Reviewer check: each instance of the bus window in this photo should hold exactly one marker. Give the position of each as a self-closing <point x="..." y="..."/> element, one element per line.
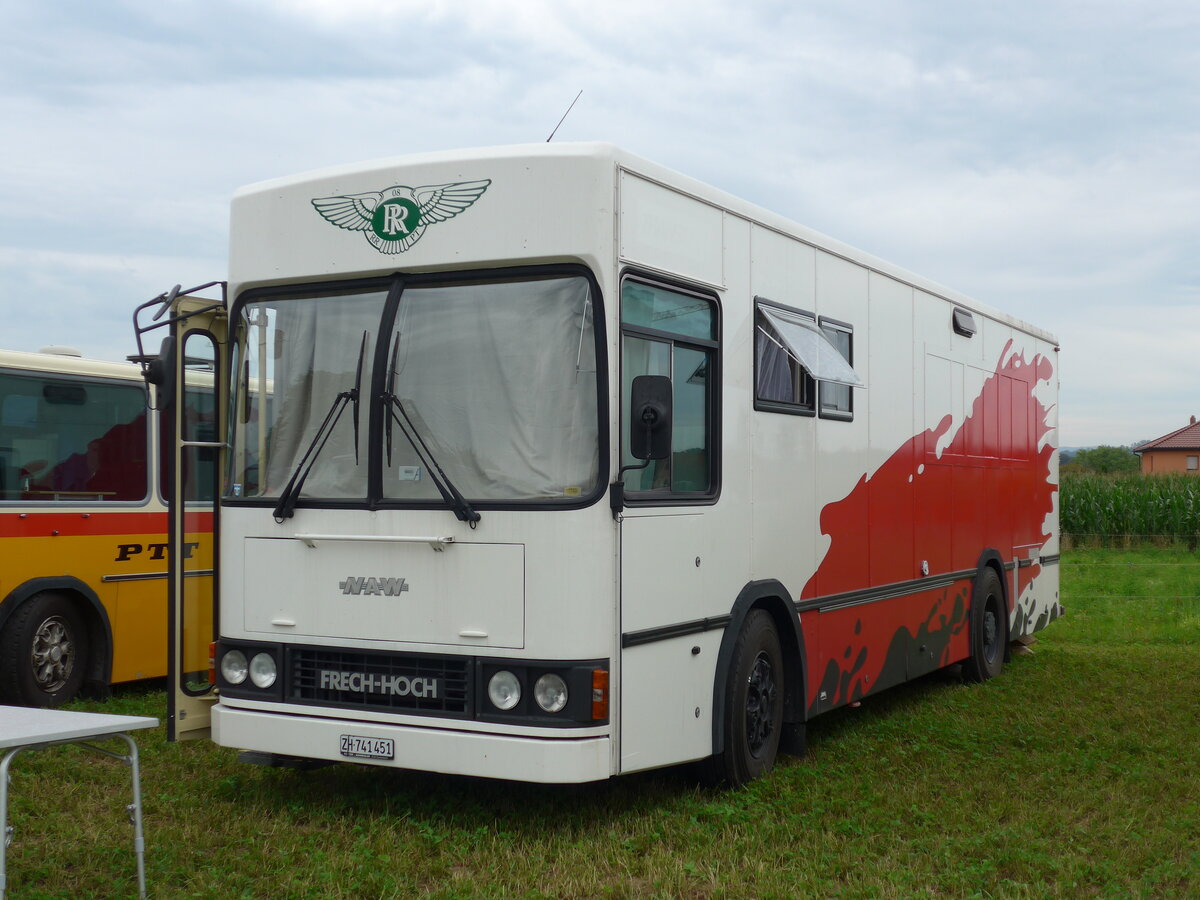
<point x="673" y="333"/>
<point x="199" y="422"/>
<point x="62" y="439"/>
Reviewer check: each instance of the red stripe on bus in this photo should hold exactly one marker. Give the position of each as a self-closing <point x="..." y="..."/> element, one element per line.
<point x="36" y="524"/>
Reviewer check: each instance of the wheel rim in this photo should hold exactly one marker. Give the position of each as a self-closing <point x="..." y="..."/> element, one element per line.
<point x="991" y="630"/>
<point x="760" y="704"/>
<point x="52" y="654"/>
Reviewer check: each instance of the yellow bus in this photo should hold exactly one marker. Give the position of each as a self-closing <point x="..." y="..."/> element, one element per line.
<point x="83" y="528"/>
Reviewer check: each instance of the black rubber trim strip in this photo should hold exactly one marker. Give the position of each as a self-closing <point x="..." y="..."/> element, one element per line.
<point x="883" y="592"/>
<point x="679" y="629"/>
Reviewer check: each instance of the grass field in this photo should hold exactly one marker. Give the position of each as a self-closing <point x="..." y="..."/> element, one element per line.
<point x="1072" y="775"/>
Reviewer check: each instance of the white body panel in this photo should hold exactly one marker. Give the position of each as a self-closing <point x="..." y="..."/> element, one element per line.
<point x="445" y="597"/>
<point x="471" y="593"/>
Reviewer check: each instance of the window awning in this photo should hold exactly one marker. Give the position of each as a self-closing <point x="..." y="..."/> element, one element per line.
<point x="806" y="344"/>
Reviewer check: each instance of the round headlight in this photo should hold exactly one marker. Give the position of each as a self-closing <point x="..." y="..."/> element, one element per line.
<point x="262" y="670"/>
<point x="504" y="690"/>
<point x="234" y="667"/>
<point x="550" y="692"/>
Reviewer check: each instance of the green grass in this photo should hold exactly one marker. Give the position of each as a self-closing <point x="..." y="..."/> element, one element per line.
<point x="1071" y="775"/>
<point x="1142" y="596"/>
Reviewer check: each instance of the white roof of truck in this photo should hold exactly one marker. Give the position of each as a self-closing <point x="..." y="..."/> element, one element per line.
<point x="608" y="155"/>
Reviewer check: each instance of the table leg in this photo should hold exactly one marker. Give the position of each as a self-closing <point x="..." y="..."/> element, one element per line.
<point x="6" y="831"/>
<point x="135" y="814"/>
<point x="134" y="809"/>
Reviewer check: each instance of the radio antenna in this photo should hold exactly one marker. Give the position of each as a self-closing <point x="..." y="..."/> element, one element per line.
<point x="564" y="115"/>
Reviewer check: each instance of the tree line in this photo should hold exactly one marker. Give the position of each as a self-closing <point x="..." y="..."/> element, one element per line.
<point x="1103" y="460"/>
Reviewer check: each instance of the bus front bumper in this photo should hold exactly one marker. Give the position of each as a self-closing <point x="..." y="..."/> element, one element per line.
<point x="545" y="760"/>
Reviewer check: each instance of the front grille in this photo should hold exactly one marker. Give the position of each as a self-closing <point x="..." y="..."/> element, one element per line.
<point x="394" y="682"/>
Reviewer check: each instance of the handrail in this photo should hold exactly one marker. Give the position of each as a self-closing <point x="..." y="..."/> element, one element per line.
<point x="437" y="543"/>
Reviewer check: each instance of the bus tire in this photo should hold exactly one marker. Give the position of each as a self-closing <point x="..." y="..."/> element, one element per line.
<point x="753" y="705"/>
<point x="989" y="627"/>
<point x="43" y="652"/>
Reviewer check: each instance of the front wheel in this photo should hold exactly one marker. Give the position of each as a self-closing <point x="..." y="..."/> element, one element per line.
<point x="989" y="627"/>
<point x="43" y="651"/>
<point x="753" y="705"/>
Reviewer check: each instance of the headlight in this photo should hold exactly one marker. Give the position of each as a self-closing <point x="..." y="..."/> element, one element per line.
<point x="504" y="690"/>
<point x="550" y="692"/>
<point x="233" y="666"/>
<point x="262" y="670"/>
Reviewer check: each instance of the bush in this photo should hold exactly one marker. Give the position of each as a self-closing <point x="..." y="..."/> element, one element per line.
<point x="1105" y="460"/>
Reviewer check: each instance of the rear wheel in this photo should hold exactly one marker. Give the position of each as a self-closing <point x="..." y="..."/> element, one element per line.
<point x="43" y="652"/>
<point x="989" y="627"/>
<point x="753" y="705"/>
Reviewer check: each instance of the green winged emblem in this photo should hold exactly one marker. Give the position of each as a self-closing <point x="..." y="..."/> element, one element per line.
<point x="394" y="219"/>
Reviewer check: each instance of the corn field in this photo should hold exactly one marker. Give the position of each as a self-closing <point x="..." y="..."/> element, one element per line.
<point x="1111" y="510"/>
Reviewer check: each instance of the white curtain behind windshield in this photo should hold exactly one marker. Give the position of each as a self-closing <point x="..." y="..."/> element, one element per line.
<point x="300" y="354"/>
<point x="500" y="380"/>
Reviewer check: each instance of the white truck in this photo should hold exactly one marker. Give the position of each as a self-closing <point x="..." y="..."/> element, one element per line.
<point x="548" y="463"/>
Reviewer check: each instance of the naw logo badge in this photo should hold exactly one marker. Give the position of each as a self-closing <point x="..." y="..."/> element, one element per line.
<point x="377" y="587"/>
<point x="394" y="219"/>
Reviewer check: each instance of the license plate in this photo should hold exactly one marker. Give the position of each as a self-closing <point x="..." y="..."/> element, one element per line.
<point x="357" y="747"/>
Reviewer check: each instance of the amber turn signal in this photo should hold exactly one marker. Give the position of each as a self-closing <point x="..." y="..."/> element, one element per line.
<point x="599" y="694"/>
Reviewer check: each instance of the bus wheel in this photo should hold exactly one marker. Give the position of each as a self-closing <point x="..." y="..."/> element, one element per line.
<point x="989" y="627"/>
<point x="753" y="704"/>
<point x="42" y="652"/>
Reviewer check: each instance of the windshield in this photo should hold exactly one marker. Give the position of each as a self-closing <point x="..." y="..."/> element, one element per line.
<point x="497" y="379"/>
<point x="292" y="358"/>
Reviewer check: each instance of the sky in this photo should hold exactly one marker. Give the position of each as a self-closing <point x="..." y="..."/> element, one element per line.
<point x="1041" y="156"/>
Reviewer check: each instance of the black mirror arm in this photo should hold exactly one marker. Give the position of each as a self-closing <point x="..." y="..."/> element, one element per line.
<point x="630" y="468"/>
<point x="616" y="490"/>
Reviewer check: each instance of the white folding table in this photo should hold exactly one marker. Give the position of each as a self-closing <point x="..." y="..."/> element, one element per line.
<point x="24" y="729"/>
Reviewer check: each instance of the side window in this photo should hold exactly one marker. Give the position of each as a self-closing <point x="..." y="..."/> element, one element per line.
<point x="837" y="400"/>
<point x="801" y="366"/>
<point x="64" y="439"/>
<point x="199" y="422"/>
<point x="672" y="332"/>
<point x="781" y="381"/>
<point x="199" y="417"/>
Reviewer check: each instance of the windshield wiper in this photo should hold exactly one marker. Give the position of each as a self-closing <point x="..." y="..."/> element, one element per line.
<point x="390" y="391"/>
<point x="463" y="510"/>
<point x="286" y="506"/>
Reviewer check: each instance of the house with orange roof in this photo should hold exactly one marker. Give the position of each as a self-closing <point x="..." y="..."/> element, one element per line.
<point x="1178" y="451"/>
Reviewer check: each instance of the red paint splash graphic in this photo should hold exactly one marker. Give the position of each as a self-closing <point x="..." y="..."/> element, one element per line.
<point x="925" y="513"/>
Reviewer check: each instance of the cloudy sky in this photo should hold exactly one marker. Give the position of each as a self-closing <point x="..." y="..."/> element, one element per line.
<point x="1042" y="156"/>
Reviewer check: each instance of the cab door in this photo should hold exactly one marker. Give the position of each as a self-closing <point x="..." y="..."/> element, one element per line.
<point x="669" y="526"/>
<point x="193" y="420"/>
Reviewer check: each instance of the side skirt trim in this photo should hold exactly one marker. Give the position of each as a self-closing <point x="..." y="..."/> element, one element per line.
<point x="821" y="604"/>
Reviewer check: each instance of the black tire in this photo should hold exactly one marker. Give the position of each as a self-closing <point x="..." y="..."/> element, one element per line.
<point x="989" y="627"/>
<point x="753" y="705"/>
<point x="43" y="652"/>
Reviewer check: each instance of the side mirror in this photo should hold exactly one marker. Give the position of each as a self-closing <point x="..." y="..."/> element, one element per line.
<point x="160" y="372"/>
<point x="650" y="417"/>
